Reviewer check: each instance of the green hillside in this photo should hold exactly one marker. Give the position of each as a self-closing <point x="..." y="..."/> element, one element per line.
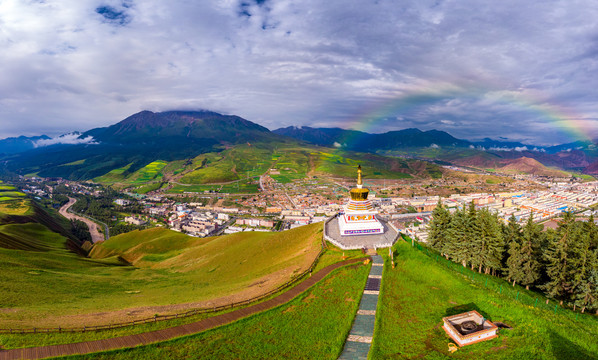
<point x="58" y="287"/>
<point x="248" y="161"/>
<point x="293" y="162"/>
<point x="420" y="291"/>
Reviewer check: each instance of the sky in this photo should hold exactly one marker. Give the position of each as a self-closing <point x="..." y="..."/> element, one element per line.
<point x="520" y="70"/>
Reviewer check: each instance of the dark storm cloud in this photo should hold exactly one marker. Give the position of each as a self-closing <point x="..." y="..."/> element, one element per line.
<point x="473" y="68"/>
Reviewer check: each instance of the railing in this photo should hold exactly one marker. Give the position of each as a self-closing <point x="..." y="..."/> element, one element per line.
<point x="157" y="318"/>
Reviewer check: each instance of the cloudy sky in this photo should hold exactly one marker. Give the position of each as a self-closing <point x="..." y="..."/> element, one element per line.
<point x="522" y="70"/>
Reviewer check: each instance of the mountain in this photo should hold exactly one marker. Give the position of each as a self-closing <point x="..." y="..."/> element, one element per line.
<point x="138" y="140"/>
<point x="488" y="143"/>
<point x="13" y="145"/>
<point x="147" y="126"/>
<point x="360" y="141"/>
<point x="577" y="145"/>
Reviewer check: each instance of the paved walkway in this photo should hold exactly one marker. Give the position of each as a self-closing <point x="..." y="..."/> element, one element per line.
<point x="173" y="332"/>
<point x="360" y="337"/>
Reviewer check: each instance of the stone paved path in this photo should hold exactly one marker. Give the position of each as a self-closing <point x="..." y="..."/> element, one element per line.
<point x="360" y="337"/>
<point x="173" y="332"/>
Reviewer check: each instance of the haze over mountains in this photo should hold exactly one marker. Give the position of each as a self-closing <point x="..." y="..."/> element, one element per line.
<point x="174" y="135"/>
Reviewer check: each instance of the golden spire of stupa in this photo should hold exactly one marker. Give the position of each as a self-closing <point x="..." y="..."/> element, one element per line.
<point x="359" y="193"/>
<point x="359" y="182"/>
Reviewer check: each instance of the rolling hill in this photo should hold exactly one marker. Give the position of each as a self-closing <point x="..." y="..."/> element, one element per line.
<point x="525" y="165"/>
<point x="141" y="273"/>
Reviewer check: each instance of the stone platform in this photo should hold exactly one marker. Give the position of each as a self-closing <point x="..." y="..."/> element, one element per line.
<point x="332" y="234"/>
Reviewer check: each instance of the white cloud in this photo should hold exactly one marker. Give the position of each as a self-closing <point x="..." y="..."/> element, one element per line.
<point x="337" y="144"/>
<point x="434" y="146"/>
<point x="91" y="63"/>
<point x="71" y="139"/>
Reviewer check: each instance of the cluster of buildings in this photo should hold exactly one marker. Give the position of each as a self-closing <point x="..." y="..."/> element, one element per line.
<point x="542" y="205"/>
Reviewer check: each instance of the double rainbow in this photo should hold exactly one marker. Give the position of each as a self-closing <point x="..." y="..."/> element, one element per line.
<point x="564" y="119"/>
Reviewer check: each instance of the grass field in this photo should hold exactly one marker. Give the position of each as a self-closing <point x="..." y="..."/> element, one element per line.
<point x="419" y="292"/>
<point x="312" y="326"/>
<point x="150" y="172"/>
<point x="344" y="164"/>
<point x="237" y="163"/>
<point x="238" y="187"/>
<point x="12" y="206"/>
<point x="144" y="189"/>
<point x="115" y="175"/>
<point x="49" y="286"/>
<point x="13" y="202"/>
<point x="331" y="255"/>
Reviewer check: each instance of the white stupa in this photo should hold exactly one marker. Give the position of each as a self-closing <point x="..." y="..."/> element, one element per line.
<point x="359" y="217"/>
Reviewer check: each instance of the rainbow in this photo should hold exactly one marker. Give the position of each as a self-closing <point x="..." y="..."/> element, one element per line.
<point x="560" y="117"/>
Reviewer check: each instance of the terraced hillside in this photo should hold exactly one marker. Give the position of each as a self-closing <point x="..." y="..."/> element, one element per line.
<point x="139" y="274"/>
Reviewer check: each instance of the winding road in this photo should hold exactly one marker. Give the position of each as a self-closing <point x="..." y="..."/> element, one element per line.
<point x="93" y="227"/>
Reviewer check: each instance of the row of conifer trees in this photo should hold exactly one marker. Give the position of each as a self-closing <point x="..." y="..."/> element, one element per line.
<point x="563" y="263"/>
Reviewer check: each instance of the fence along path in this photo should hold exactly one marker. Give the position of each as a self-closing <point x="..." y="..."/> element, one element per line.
<point x="173" y="332"/>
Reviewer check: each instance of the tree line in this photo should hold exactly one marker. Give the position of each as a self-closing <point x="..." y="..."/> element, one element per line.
<point x="562" y="262"/>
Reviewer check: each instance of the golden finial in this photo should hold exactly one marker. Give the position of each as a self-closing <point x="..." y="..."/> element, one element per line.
<point x="359" y="182"/>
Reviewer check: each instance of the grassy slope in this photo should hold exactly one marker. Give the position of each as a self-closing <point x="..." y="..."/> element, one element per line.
<point x="312" y="326"/>
<point x="331" y="255"/>
<point x="419" y="292"/>
<point x="39" y="288"/>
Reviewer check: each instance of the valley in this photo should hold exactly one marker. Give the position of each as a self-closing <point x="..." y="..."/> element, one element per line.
<point x="201" y="224"/>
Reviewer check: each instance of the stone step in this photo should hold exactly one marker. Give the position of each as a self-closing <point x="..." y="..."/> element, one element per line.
<point x="361" y="339"/>
<point x="366" y="312"/>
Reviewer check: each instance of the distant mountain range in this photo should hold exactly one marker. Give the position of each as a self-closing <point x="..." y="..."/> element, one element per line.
<point x="13" y="145"/>
<point x="360" y="141"/>
<point x="175" y="135"/>
<point x="579" y="156"/>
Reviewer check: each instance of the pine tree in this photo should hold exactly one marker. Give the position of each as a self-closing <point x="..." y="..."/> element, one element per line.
<point x="512" y="232"/>
<point x="487" y="242"/>
<point x="558" y="262"/>
<point x="439" y="227"/>
<point x="583" y="263"/>
<point x="530" y="253"/>
<point x="455" y="247"/>
<point x="514" y="262"/>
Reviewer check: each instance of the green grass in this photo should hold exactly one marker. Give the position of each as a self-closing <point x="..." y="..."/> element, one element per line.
<point x="31" y="237"/>
<point x="344" y="164"/>
<point x="229" y="165"/>
<point x="12" y="194"/>
<point x="7" y="187"/>
<point x="10" y="341"/>
<point x="144" y="189"/>
<point x="419" y="292"/>
<point x="78" y="162"/>
<point x="238" y="187"/>
<point x="312" y="326"/>
<point x="151" y="171"/>
<point x="56" y="287"/>
<point x="12" y="206"/>
<point x="115" y="175"/>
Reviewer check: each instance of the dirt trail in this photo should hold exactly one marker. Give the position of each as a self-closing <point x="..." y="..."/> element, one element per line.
<point x="93" y="227"/>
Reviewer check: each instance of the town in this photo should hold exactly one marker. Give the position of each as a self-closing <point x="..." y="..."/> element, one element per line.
<point x="280" y="206"/>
